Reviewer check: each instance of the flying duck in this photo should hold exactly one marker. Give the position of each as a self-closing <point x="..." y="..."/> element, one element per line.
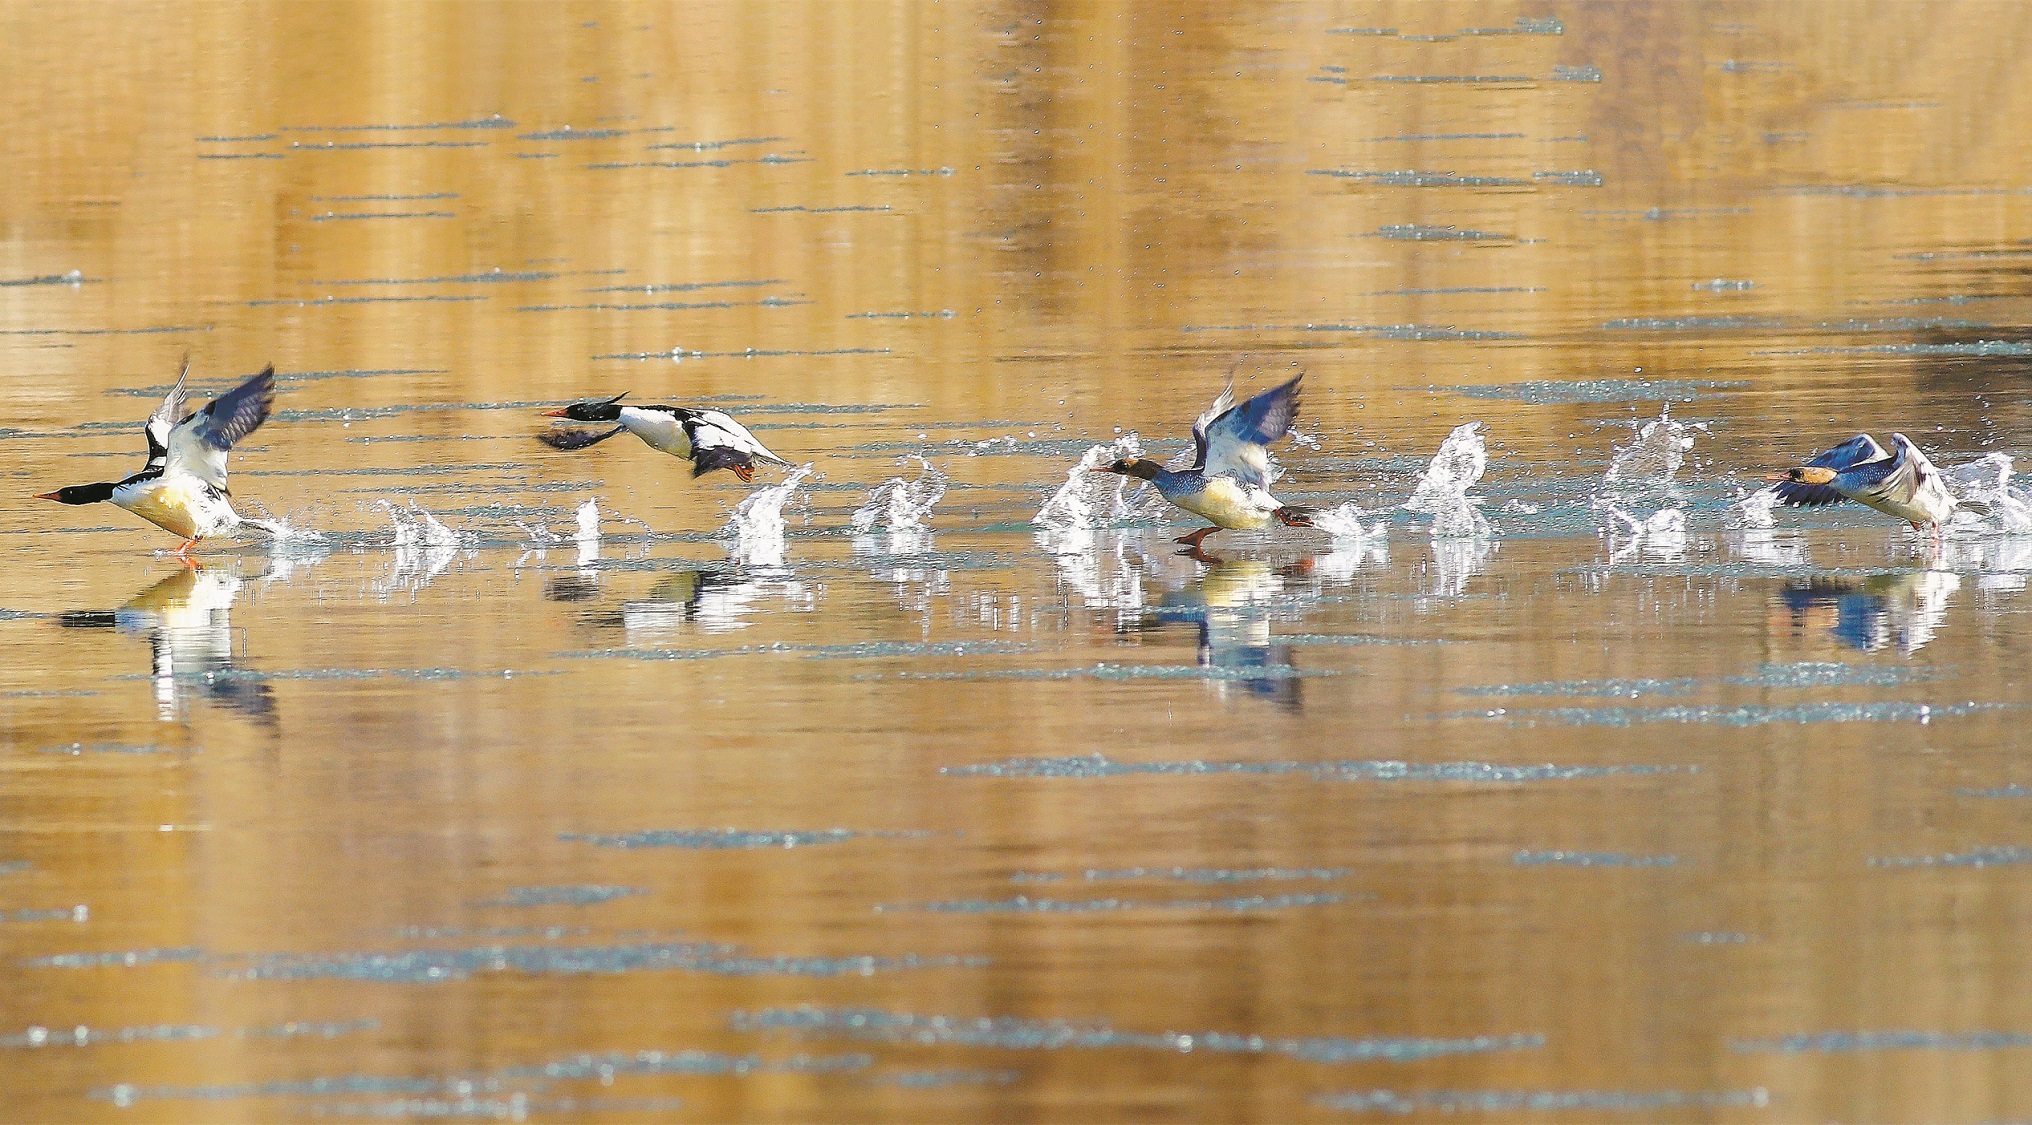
<point x="1902" y="483"/>
<point x="707" y="438"/>
<point x="182" y="489"/>
<point x="1228" y="483"/>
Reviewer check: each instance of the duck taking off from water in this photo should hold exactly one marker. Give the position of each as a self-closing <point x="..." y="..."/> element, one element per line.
<point x="182" y="489"/>
<point x="1899" y="482"/>
<point x="1228" y="482"/>
<point x="709" y="439"/>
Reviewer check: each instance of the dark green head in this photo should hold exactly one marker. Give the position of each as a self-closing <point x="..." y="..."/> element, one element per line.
<point x="599" y="410"/>
<point x="79" y="494"/>
<point x="1142" y="467"/>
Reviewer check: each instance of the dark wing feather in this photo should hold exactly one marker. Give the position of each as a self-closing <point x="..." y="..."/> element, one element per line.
<point x="199" y="443"/>
<point x="1798" y="495"/>
<point x="1860" y="458"/>
<point x="1262" y="419"/>
<point x="238" y="412"/>
<point x="1858" y="450"/>
<point x="1234" y="441"/>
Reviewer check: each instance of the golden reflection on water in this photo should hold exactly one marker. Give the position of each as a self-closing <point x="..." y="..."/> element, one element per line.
<point x="361" y="809"/>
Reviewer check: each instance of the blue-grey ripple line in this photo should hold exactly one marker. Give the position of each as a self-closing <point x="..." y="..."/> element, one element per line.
<point x="587" y="894"/>
<point x="1805" y="674"/>
<point x="1504" y="1101"/>
<point x="1591" y="859"/>
<point x="1024" y="1034"/>
<point x="1974" y="857"/>
<point x="867" y="650"/>
<point x="1095" y="765"/>
<point x="606" y="1065"/>
<point x="569" y="1068"/>
<point x="127" y="957"/>
<point x="81" y="1036"/>
<point x="716" y="838"/>
<point x="1024" y="904"/>
<point x="1842" y="1041"/>
<point x="1133" y="672"/>
<point x="1744" y="716"/>
<point x="1551" y="393"/>
<point x="1187" y="874"/>
<point x="432" y="965"/>
<point x="939" y="1079"/>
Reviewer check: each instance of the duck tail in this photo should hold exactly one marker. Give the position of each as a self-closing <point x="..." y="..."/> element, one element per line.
<point x="1976" y="506"/>
<point x="269" y="528"/>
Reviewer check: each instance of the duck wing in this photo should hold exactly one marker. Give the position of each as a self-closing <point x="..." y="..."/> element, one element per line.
<point x="1232" y="442"/>
<point x="198" y="444"/>
<point x="713" y="429"/>
<point x="1850" y="456"/>
<point x="164" y="419"/>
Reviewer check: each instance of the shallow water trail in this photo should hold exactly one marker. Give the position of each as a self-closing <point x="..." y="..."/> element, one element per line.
<point x="1443" y="488"/>
<point x="754" y="534"/>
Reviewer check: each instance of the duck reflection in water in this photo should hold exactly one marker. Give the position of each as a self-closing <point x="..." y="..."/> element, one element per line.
<point x="1231" y="603"/>
<point x="186" y="619"/>
<point x="1902" y="610"/>
<point x="709" y="599"/>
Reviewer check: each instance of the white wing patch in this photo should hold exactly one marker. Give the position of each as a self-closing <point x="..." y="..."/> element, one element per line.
<point x="714" y="429"/>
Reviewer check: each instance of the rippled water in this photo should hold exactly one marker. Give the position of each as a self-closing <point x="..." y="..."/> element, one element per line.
<point x="1557" y="775"/>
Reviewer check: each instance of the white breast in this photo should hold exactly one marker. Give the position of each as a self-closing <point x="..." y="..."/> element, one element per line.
<point x="658" y="428"/>
<point x="178" y="503"/>
<point x="1224" y="502"/>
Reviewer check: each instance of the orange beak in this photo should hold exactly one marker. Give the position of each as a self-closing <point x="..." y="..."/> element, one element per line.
<point x="1101" y="469"/>
<point x="46" y="496"/>
<point x="1776" y="476"/>
<point x="558" y="413"/>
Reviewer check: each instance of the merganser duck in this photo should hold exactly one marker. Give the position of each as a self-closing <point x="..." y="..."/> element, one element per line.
<point x="1228" y="483"/>
<point x="1903" y="483"/>
<point x="182" y="489"/>
<point x="709" y="439"/>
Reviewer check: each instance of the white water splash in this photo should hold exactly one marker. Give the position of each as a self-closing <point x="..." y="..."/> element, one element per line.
<point x="1754" y="510"/>
<point x="1459" y="464"/>
<point x="1987" y="480"/>
<point x="754" y="534"/>
<point x="1345" y="525"/>
<point x="1639" y="475"/>
<point x="1099" y="568"/>
<point x="280" y="531"/>
<point x="1454" y="561"/>
<point x="588" y="536"/>
<point x="423" y="548"/>
<point x="1655" y="456"/>
<point x="1443" y="487"/>
<point x="1088" y="500"/>
<point x="902" y="505"/>
<point x="1661" y="535"/>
